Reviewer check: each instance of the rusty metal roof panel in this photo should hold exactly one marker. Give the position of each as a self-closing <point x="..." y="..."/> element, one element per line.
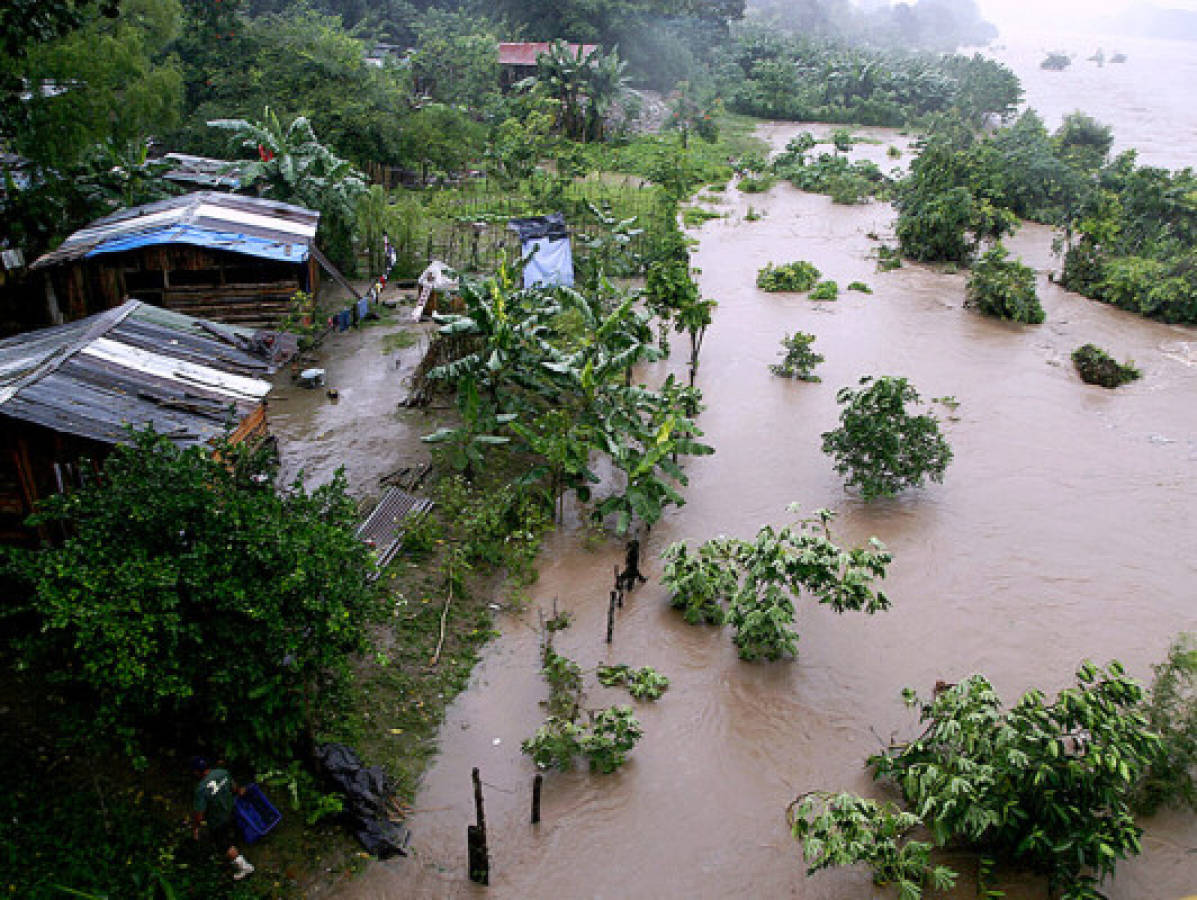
<point x="525" y="54"/>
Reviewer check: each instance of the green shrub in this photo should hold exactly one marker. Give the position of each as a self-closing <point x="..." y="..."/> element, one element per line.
<point x="249" y="601"/>
<point x="1172" y="713"/>
<point x="697" y="583"/>
<point x="753" y="184"/>
<point x="762" y="577"/>
<point x="798" y="359"/>
<point x="645" y="683"/>
<point x="888" y="258"/>
<point x="795" y="276"/>
<point x="1046" y="783"/>
<point x="1095" y="366"/>
<point x="1004" y="288"/>
<point x="860" y="286"/>
<point x="825" y="290"/>
<point x="555" y="743"/>
<point x="882" y="446"/>
<point x="612" y="733"/>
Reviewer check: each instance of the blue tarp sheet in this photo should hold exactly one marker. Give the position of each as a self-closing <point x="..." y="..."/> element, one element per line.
<point x="233" y="242"/>
<point x="548" y="262"/>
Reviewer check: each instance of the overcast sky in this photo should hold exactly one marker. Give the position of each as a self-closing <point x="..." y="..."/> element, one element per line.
<point x="1036" y="14"/>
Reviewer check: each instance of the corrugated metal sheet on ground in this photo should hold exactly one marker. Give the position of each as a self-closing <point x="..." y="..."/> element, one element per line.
<point x="385" y="526"/>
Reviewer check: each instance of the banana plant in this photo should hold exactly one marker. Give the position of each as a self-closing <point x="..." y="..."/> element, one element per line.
<point x="464" y="447"/>
<point x="510" y="327"/>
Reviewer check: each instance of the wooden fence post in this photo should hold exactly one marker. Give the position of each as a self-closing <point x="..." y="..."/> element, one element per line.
<point x="536" y="783"/>
<point x="479" y="859"/>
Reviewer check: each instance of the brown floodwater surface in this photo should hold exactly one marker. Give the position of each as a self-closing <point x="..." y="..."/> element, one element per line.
<point x="1064" y="529"/>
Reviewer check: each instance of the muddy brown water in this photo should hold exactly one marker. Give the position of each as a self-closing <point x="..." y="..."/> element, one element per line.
<point x="1064" y="529"/>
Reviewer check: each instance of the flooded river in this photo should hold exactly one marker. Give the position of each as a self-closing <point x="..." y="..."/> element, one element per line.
<point x="1064" y="529"/>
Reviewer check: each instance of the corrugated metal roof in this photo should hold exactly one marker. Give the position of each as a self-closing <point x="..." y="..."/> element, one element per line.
<point x="245" y="244"/>
<point x="257" y="222"/>
<point x="517" y="54"/>
<point x="204" y="171"/>
<point x="132" y="365"/>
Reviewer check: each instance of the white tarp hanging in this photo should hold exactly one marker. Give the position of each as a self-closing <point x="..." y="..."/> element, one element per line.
<point x="548" y="261"/>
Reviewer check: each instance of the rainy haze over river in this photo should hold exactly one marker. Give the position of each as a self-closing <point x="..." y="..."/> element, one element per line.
<point x="1065" y="528"/>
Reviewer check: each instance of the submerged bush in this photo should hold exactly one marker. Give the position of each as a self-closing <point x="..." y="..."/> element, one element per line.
<point x="798" y="359"/>
<point x="1004" y="288"/>
<point x="882" y="446"/>
<point x="794" y="276"/>
<point x="1172" y="713"/>
<point x="1095" y="366"/>
<point x="825" y="290"/>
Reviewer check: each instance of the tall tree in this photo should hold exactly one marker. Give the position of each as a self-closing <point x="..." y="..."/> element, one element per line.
<point x="191" y="597"/>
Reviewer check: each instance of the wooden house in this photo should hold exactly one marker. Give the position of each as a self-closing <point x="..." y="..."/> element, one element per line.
<point x="517" y="61"/>
<point x="68" y="394"/>
<point x="219" y="256"/>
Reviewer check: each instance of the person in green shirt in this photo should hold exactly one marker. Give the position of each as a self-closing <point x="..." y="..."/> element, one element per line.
<point x="214" y="805"/>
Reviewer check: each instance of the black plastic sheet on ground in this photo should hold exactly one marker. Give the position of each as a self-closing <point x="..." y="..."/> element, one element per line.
<point x="368" y="800"/>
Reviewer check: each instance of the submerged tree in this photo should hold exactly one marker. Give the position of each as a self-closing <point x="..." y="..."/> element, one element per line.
<point x="798" y="360"/>
<point x="1043" y="784"/>
<point x="1172" y="712"/>
<point x="879" y="445"/>
<point x="761" y="578"/>
<point x="1004" y="288"/>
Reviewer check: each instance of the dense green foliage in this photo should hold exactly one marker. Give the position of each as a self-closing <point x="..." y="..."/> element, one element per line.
<point x="1095" y="366"/>
<point x="1135" y="235"/>
<point x="249" y="601"/>
<point x="1172" y="713"/>
<point x="880" y="445"/>
<point x="105" y="841"/>
<point x="697" y="582"/>
<point x="1130" y="231"/>
<point x="793" y="276"/>
<point x="1043" y="784"/>
<point x="760" y="579"/>
<point x="293" y="166"/>
<point x="798" y="360"/>
<point x="828" y="173"/>
<point x="825" y="290"/>
<point x="843" y="830"/>
<point x="773" y="75"/>
<point x="1004" y="288"/>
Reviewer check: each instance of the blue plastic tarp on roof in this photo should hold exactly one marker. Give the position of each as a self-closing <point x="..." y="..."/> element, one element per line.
<point x="548" y="262"/>
<point x="232" y="242"/>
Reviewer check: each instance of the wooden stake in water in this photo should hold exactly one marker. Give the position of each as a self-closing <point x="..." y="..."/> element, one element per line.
<point x="536" y="783"/>
<point x="479" y="859"/>
<point x="611" y="617"/>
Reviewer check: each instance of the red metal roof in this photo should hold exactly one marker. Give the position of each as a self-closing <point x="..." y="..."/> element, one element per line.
<point x="513" y="54"/>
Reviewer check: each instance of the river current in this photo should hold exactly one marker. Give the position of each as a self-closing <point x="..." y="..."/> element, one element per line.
<point x="1064" y="529"/>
